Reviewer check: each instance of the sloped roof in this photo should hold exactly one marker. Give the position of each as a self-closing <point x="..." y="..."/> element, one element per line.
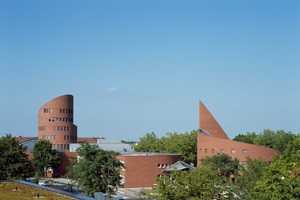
<point x="210" y="124"/>
<point x="179" y="165"/>
<point x="23" y="139"/>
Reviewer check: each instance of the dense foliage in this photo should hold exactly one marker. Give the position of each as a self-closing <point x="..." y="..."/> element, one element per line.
<point x="44" y="156"/>
<point x="199" y="183"/>
<point x="96" y="170"/>
<point x="268" y="138"/>
<point x="281" y="179"/>
<point x="14" y="163"/>
<point x="183" y="144"/>
<point x="255" y="179"/>
<point x="223" y="164"/>
<point x="249" y="174"/>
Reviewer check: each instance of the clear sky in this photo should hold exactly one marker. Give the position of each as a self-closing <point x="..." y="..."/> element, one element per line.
<point x="140" y="66"/>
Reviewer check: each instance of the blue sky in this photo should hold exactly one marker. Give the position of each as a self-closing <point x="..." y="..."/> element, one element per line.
<point x="135" y="66"/>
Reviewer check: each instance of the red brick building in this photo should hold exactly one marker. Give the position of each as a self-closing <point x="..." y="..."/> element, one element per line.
<point x="212" y="140"/>
<point x="55" y="123"/>
<point x="142" y="169"/>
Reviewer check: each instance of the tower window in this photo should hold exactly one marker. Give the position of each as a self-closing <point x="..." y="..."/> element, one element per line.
<point x="47" y="110"/>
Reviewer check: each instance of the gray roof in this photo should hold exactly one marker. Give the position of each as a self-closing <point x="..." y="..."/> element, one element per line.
<point x="179" y="165"/>
<point x="116" y="147"/>
<point x="135" y="153"/>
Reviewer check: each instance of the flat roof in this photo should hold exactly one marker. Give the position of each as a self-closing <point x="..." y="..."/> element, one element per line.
<point x="148" y="154"/>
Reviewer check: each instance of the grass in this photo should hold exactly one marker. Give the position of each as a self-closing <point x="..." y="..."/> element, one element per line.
<point x="8" y="191"/>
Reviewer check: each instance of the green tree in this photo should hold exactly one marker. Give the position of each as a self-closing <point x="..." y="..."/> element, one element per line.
<point x="248" y="138"/>
<point x="289" y="144"/>
<point x="278" y="182"/>
<point x="251" y="172"/>
<point x="223" y="164"/>
<point x="14" y="162"/>
<point x="96" y="170"/>
<point x="266" y="138"/>
<point x="183" y="144"/>
<point x="147" y="143"/>
<point x="44" y="156"/>
<point x="291" y="155"/>
<point x="281" y="179"/>
<point x="198" y="183"/>
<point x="276" y="140"/>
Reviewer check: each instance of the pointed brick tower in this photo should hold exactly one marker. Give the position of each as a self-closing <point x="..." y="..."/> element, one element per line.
<point x="208" y="123"/>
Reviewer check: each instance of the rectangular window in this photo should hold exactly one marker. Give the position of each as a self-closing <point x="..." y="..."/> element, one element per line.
<point x="43" y="128"/>
<point x="205" y="150"/>
<point x="244" y="151"/>
<point x="222" y="150"/>
<point x="47" y="110"/>
<point x="233" y="151"/>
<point x="213" y="151"/>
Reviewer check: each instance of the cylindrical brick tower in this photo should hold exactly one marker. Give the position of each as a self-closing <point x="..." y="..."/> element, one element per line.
<point x="55" y="123"/>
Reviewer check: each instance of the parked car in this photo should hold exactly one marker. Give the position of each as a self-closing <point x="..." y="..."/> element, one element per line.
<point x="44" y="183"/>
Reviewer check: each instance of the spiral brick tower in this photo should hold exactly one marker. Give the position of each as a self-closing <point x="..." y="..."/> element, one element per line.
<point x="55" y="123"/>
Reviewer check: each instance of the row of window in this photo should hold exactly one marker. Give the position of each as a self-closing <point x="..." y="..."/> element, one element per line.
<point x="53" y="137"/>
<point x="47" y="110"/>
<point x="60" y="146"/>
<point x="69" y="137"/>
<point x="49" y="137"/>
<point x="56" y="128"/>
<point x="42" y="128"/>
<point x="61" y="110"/>
<point x="61" y="119"/>
<point x="163" y="165"/>
<point x="233" y="151"/>
<point x="62" y="128"/>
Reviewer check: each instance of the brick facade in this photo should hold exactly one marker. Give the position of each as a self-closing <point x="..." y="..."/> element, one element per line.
<point x="143" y="169"/>
<point x="55" y="122"/>
<point x="211" y="140"/>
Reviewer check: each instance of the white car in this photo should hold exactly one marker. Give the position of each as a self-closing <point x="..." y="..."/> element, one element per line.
<point x="44" y="183"/>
